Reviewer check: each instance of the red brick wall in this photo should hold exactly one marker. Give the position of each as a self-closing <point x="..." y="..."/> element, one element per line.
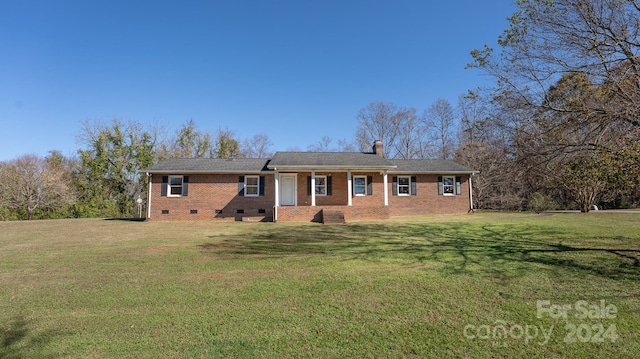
<point x="208" y="193"/>
<point x="339" y="193"/>
<point x="427" y="200"/>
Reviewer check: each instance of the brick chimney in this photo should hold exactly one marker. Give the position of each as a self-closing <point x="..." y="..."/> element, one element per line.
<point x="377" y="148"/>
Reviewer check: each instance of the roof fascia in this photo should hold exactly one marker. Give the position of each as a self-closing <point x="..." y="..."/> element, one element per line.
<point x="434" y="172"/>
<point x="202" y="172"/>
<point x="330" y="168"/>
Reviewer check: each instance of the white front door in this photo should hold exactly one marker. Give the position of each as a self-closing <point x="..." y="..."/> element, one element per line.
<point x="287" y="190"/>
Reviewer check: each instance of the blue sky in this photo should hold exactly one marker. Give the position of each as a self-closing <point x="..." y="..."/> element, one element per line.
<point x="295" y="70"/>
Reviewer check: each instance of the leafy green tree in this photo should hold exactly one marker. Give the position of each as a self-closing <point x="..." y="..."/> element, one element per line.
<point x="226" y="146"/>
<point x="192" y="143"/>
<point x="108" y="178"/>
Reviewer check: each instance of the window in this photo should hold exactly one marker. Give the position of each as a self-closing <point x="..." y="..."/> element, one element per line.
<point x="175" y="186"/>
<point x="321" y="185"/>
<point x="404" y="183"/>
<point x="252" y="186"/>
<point x="359" y="186"/>
<point x="448" y="184"/>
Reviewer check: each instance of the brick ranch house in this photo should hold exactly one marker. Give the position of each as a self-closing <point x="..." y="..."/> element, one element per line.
<point x="306" y="186"/>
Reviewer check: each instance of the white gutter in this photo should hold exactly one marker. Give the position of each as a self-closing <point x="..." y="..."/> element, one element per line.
<point x="149" y="197"/>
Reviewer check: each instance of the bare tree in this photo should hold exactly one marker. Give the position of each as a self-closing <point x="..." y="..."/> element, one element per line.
<point x="399" y="128"/>
<point x="30" y="182"/>
<point x="345" y="145"/>
<point x="324" y="145"/>
<point x="411" y="135"/>
<point x="259" y="146"/>
<point x="441" y="121"/>
<point x="473" y="109"/>
<point x="575" y="64"/>
<point x="377" y="122"/>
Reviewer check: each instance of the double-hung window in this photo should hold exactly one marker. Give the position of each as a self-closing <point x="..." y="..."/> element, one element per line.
<point x="448" y="185"/>
<point x="360" y="185"/>
<point x="321" y="185"/>
<point x="252" y="186"/>
<point x="404" y="185"/>
<point x="175" y="186"/>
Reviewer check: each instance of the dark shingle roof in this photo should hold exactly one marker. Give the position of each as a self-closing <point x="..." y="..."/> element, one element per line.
<point x="429" y="166"/>
<point x="305" y="160"/>
<point x="329" y="160"/>
<point x="209" y="165"/>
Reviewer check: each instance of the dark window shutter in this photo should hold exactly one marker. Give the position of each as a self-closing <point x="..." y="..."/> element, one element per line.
<point x="369" y="185"/>
<point x="308" y="185"/>
<point x="328" y="185"/>
<point x="241" y="186"/>
<point x="185" y="186"/>
<point x="413" y="186"/>
<point x="261" y="186"/>
<point x="165" y="184"/>
<point x="440" y="186"/>
<point x="394" y="187"/>
<point x="458" y="185"/>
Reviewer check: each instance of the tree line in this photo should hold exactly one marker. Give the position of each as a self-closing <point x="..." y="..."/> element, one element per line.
<point x="563" y="119"/>
<point x="104" y="179"/>
<point x="559" y="129"/>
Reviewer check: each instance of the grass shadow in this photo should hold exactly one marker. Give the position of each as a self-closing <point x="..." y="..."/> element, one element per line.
<point x="126" y="219"/>
<point x="18" y="336"/>
<point x="504" y="250"/>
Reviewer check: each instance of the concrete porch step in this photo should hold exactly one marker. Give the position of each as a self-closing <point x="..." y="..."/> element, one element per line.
<point x="332" y="217"/>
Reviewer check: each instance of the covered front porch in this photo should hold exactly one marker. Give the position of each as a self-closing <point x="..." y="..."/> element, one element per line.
<point x="304" y="195"/>
<point x="307" y="183"/>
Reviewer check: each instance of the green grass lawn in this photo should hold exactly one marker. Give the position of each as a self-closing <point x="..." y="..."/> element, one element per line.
<point x="412" y="287"/>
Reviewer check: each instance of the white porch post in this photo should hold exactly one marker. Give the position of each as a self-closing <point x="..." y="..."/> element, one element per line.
<point x="385" y="180"/>
<point x="349" y="190"/>
<point x="313" y="188"/>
